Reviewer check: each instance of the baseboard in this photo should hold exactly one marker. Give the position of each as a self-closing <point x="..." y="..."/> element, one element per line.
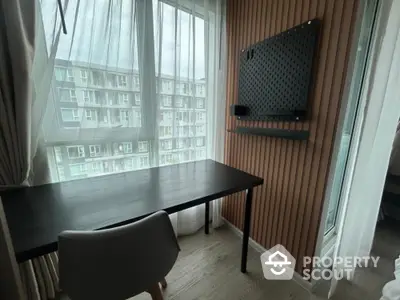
<point x="308" y="286"/>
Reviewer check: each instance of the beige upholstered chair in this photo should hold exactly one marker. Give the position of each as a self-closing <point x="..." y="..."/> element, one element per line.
<point x="118" y="263"/>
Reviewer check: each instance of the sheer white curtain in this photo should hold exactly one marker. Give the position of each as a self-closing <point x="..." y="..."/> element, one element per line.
<point x="136" y="84"/>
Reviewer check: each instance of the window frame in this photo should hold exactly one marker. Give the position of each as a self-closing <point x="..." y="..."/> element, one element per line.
<point x="79" y="147"/>
<point x="122" y="80"/>
<point x="141" y="147"/>
<point x="82" y="170"/>
<point x="127" y="147"/>
<point x="69" y="75"/>
<point x="84" y="78"/>
<point x="94" y="153"/>
<point x="137" y="96"/>
<point x="92" y="117"/>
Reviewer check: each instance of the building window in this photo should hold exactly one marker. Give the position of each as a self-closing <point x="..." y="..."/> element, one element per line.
<point x="76" y="151"/>
<point x="61" y="173"/>
<point x="124" y="115"/>
<point x="67" y="95"/>
<point x="129" y="163"/>
<point x="121" y="80"/>
<point x="184" y="87"/>
<point x="166" y="117"/>
<point x="165" y="131"/>
<point x="182" y="116"/>
<point x="179" y="102"/>
<point x="166" y="145"/>
<point x="84" y="76"/>
<point x="78" y="169"/>
<point x="112" y="98"/>
<point x="64" y="74"/>
<point x="137" y="99"/>
<point x="166" y="159"/>
<point x="183" y="130"/>
<point x="97" y="167"/>
<point x="137" y="119"/>
<point x="136" y="82"/>
<point x="127" y="147"/>
<point x="200" y="154"/>
<point x="200" y="90"/>
<point x="58" y="154"/>
<point x="103" y="115"/>
<point x="123" y="98"/>
<point x="90" y="114"/>
<point x="199" y="103"/>
<point x="60" y="74"/>
<point x="93" y="97"/>
<point x="200" y="130"/>
<point x="180" y="144"/>
<point x="87" y="96"/>
<point x="166" y="100"/>
<point x="143" y="146"/>
<point x="98" y="78"/>
<point x="200" y="116"/>
<point x="69" y="114"/>
<point x="70" y="75"/>
<point x="166" y="85"/>
<point x="112" y="80"/>
<point x="143" y="161"/>
<point x="199" y="142"/>
<point x="94" y="150"/>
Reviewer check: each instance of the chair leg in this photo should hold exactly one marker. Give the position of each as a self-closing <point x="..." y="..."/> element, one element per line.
<point x="163" y="283"/>
<point x="155" y="292"/>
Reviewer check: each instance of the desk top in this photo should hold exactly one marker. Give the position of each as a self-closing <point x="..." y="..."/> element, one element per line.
<point x="36" y="215"/>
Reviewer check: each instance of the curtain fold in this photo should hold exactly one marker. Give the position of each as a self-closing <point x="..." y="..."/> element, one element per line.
<point x="16" y="53"/>
<point x="132" y="85"/>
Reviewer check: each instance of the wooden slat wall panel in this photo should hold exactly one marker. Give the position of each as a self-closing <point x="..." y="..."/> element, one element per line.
<point x="287" y="208"/>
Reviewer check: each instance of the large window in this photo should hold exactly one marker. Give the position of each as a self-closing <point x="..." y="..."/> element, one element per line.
<point x="113" y="116"/>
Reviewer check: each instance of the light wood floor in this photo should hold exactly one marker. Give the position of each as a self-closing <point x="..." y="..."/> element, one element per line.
<point x="208" y="268"/>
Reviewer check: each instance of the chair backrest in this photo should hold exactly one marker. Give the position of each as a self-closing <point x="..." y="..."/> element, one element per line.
<point x="117" y="263"/>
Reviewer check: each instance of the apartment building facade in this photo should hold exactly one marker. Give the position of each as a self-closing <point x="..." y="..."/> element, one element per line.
<point x="98" y="121"/>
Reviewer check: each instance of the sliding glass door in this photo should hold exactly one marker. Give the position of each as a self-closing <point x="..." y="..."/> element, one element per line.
<point x="347" y="127"/>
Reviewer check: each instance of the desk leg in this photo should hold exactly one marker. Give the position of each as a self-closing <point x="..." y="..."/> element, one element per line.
<point x="246" y="229"/>
<point x="207" y="218"/>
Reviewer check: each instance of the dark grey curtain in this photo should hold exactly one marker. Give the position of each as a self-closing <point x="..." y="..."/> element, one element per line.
<point x="17" y="25"/>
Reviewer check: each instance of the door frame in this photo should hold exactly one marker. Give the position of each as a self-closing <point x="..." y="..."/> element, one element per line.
<point x="326" y="242"/>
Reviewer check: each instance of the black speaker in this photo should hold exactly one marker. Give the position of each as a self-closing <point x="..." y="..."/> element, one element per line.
<point x="239" y="110"/>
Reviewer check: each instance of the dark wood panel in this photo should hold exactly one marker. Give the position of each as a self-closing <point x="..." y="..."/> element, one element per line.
<point x="287" y="208"/>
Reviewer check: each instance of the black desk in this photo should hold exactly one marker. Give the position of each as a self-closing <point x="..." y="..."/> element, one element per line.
<point x="36" y="215"/>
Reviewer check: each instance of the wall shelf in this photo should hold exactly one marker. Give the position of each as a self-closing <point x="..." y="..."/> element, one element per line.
<point x="274" y="132"/>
